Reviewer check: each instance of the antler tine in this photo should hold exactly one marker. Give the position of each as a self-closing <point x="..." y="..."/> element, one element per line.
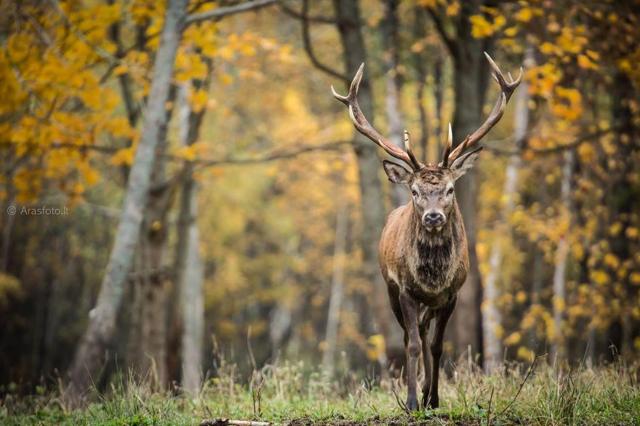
<point x="353" y="88"/>
<point x="447" y="148"/>
<point x="507" y="88"/>
<point x="362" y="124"/>
<point x="415" y="164"/>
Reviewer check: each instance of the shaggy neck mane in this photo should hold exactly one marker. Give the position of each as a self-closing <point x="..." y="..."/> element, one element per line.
<point x="435" y="251"/>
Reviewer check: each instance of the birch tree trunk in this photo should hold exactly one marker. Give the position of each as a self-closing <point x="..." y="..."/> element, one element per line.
<point x="492" y="318"/>
<point x="537" y="280"/>
<point x="94" y="345"/>
<point x="438" y="101"/>
<point x="419" y="35"/>
<point x="337" y="288"/>
<point x="393" y="83"/>
<point x="189" y="267"/>
<point x="558" y="348"/>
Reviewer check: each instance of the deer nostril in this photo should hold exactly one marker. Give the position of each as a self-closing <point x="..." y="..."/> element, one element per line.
<point x="434" y="218"/>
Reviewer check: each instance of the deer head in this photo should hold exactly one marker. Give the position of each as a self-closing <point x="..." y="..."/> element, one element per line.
<point x="431" y="186"/>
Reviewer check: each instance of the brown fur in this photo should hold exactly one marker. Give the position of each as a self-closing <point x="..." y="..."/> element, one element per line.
<point x="431" y="266"/>
<point x="424" y="270"/>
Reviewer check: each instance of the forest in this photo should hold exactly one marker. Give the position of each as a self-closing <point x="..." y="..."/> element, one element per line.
<point x="190" y="222"/>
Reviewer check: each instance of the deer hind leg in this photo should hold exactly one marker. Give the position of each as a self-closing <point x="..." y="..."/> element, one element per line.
<point x="424" y="334"/>
<point x="410" y="312"/>
<point x="442" y="317"/>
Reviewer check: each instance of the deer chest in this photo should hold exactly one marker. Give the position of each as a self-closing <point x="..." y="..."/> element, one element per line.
<point x="433" y="270"/>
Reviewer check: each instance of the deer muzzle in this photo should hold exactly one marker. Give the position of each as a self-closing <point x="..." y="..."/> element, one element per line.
<point x="434" y="219"/>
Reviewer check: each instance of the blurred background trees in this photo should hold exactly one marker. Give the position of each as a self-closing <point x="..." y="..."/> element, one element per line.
<point x="257" y="226"/>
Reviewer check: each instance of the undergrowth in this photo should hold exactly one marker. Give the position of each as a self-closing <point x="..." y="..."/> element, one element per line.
<point x="291" y="394"/>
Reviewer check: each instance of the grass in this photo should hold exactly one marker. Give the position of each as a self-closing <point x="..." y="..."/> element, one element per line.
<point x="290" y="394"/>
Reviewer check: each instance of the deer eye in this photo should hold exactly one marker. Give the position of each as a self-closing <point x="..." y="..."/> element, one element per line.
<point x="450" y="191"/>
<point x="414" y="193"/>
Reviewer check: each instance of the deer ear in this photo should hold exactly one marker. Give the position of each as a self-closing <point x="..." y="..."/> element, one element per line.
<point x="463" y="163"/>
<point x="396" y="173"/>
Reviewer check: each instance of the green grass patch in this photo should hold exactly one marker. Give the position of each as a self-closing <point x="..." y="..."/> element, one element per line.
<point x="289" y="394"/>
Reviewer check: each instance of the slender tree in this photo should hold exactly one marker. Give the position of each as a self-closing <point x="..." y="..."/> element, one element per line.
<point x="558" y="348"/>
<point x="337" y="286"/>
<point x="393" y="83"/>
<point x="189" y="268"/>
<point x="492" y="318"/>
<point x="94" y="346"/>
<point x="371" y="197"/>
<point x="470" y="75"/>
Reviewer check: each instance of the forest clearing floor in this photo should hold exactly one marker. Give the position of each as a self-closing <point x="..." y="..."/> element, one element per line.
<point x="291" y="394"/>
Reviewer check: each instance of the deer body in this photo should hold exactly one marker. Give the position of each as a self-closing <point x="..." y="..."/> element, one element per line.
<point x="423" y="248"/>
<point x="431" y="267"/>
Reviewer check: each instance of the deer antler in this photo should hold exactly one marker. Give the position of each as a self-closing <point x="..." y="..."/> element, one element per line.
<point x="362" y="125"/>
<point x="447" y="148"/>
<point x="506" y="90"/>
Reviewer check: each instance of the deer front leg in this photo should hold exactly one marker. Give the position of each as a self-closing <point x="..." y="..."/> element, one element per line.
<point x="409" y="309"/>
<point x="442" y="317"/>
<point x="424" y="334"/>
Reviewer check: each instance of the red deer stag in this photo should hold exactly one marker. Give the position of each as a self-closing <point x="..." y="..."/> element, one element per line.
<point x="423" y="249"/>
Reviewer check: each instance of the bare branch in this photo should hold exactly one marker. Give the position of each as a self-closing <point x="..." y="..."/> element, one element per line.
<point x="333" y="146"/>
<point x="96" y="48"/>
<point x="444" y="35"/>
<point x="589" y="137"/>
<point x="282" y="155"/>
<point x="273" y="156"/>
<point x="222" y="12"/>
<point x="133" y="110"/>
<point x="315" y="19"/>
<point x="306" y="39"/>
<point x="532" y="367"/>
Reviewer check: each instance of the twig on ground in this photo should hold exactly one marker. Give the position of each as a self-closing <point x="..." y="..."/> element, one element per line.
<point x="526" y="377"/>
<point x="401" y="404"/>
<point x="256" y="382"/>
<point x="228" y="422"/>
<point x="489" y="408"/>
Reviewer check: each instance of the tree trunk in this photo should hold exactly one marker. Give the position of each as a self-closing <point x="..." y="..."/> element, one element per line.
<point x="438" y="101"/>
<point x="150" y="351"/>
<point x="393" y="82"/>
<point x="492" y="318"/>
<point x="537" y="280"/>
<point x="94" y="345"/>
<point x="190" y="282"/>
<point x="371" y="196"/>
<point x="150" y="354"/>
<point x="623" y="204"/>
<point x="558" y="348"/>
<point x="419" y="35"/>
<point x="470" y="80"/>
<point x="337" y="287"/>
<point x="189" y="268"/>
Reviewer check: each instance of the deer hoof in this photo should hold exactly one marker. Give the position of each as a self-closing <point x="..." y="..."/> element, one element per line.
<point x="433" y="402"/>
<point x="412" y="403"/>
